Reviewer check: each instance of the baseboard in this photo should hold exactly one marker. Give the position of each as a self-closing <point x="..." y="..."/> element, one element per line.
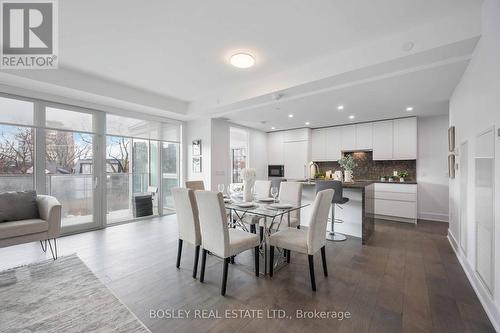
<point x="482" y="293"/>
<point x="395" y="218"/>
<point x="433" y="216"/>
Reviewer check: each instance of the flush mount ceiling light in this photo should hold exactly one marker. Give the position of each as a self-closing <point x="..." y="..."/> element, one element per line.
<point x="409" y="109"/>
<point x="242" y="60"/>
<point x="308" y="123"/>
<point x="340" y="107"/>
<point x="273" y="128"/>
<point x="351" y="116"/>
<point x="290" y="115"/>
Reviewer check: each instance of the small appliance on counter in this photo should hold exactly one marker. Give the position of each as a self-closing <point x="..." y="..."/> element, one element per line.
<point x="313" y="170"/>
<point x="337" y="175"/>
<point x="276" y="171"/>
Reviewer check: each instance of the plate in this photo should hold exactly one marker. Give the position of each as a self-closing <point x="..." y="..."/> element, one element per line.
<point x="266" y="199"/>
<point x="281" y="205"/>
<point x="244" y="204"/>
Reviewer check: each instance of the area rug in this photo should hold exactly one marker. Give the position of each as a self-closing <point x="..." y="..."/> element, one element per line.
<point x="61" y="296"/>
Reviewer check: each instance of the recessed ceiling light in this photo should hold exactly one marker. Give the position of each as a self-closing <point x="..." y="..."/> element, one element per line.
<point x="290" y="115"/>
<point x="308" y="123"/>
<point x="340" y="107"/>
<point x="273" y="127"/>
<point x="242" y="60"/>
<point x="409" y="109"/>
<point x="351" y="116"/>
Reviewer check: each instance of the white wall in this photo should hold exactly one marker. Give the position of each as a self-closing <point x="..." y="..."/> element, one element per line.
<point x="216" y="158"/>
<point x="474" y="107"/>
<point x="432" y="168"/>
<point x="194" y="130"/>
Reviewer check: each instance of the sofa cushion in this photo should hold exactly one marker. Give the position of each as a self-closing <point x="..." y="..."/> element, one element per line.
<point x="22" y="227"/>
<point x="16" y="206"/>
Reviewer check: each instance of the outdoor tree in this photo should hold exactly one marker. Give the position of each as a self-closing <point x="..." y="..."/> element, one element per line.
<point x="118" y="151"/>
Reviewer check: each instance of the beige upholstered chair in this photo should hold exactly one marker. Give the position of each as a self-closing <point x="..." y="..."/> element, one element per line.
<point x="261" y="190"/>
<point x="308" y="242"/>
<point x="195" y="184"/>
<point x="44" y="229"/>
<point x="217" y="238"/>
<point x="189" y="226"/>
<point x="291" y="192"/>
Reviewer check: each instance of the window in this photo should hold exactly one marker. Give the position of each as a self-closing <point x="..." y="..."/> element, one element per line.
<point x="239" y="145"/>
<point x="17" y="112"/>
<point x="16" y="158"/>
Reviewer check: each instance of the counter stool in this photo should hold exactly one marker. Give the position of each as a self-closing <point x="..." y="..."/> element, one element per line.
<point x="338" y="199"/>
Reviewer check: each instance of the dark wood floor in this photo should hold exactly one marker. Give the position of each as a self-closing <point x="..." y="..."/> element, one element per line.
<point x="407" y="279"/>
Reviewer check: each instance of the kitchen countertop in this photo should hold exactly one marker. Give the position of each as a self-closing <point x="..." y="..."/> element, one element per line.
<point x="358" y="183"/>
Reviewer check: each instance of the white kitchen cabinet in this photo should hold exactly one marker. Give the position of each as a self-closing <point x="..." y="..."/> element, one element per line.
<point x="296" y="157"/>
<point x="405" y="139"/>
<point x="364" y="136"/>
<point x="383" y="140"/>
<point x="333" y="149"/>
<point x="395" y="201"/>
<point x="348" y="137"/>
<point x="275" y="148"/>
<point x="301" y="134"/>
<point x="318" y="144"/>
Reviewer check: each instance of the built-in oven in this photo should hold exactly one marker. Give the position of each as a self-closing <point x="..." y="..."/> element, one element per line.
<point x="276" y="171"/>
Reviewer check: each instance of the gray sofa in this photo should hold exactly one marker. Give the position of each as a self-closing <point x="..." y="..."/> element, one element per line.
<point x="43" y="224"/>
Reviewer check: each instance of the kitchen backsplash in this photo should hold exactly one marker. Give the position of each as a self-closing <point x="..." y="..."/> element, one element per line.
<point x="368" y="169"/>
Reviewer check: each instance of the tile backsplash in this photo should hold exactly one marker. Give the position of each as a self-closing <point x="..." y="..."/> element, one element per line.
<point x="368" y="169"/>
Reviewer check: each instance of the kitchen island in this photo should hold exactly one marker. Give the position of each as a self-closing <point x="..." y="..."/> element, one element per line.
<point x="357" y="214"/>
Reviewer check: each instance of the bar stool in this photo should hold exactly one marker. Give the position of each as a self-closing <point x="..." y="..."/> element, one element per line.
<point x="338" y="199"/>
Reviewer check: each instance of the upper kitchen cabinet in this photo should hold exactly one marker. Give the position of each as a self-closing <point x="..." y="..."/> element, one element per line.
<point x="301" y="134"/>
<point x="296" y="159"/>
<point x="333" y="149"/>
<point x="275" y="148"/>
<point x="348" y="137"/>
<point x="364" y="136"/>
<point x="318" y="147"/>
<point x="383" y="140"/>
<point x="405" y="139"/>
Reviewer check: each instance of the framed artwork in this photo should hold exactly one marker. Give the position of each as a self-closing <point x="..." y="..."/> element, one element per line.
<point x="451" y="139"/>
<point x="197" y="147"/>
<point x="197" y="164"/>
<point x="451" y="166"/>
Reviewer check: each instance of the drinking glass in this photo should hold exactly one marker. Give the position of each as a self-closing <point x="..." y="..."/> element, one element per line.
<point x="220" y="187"/>
<point x="274" y="193"/>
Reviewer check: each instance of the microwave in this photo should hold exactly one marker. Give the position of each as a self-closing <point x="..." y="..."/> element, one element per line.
<point x="276" y="171"/>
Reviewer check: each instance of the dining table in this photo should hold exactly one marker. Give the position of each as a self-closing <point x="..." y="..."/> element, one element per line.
<point x="273" y="213"/>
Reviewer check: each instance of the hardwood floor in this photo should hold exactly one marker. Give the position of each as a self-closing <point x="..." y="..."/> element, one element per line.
<point x="407" y="279"/>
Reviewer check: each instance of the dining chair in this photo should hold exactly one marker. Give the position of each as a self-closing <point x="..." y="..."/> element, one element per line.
<point x="217" y="238"/>
<point x="188" y="223"/>
<point x="291" y="192"/>
<point x="307" y="242"/>
<point x="195" y="184"/>
<point x="261" y="190"/>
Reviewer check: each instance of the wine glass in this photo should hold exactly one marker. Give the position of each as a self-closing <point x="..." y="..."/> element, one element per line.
<point x="220" y="188"/>
<point x="274" y="193"/>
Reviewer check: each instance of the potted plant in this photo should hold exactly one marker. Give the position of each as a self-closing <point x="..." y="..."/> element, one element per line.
<point x="348" y="163"/>
<point x="403" y="175"/>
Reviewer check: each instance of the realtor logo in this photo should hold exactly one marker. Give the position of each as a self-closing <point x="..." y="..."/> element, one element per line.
<point x="29" y="34"/>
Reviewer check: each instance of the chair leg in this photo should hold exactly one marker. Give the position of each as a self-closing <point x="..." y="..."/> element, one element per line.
<point x="224" y="277"/>
<point x="54" y="250"/>
<point x="256" y="260"/>
<point x="253" y="229"/>
<point x="196" y="257"/>
<point x="323" y="258"/>
<point x="288" y="254"/>
<point x="311" y="272"/>
<point x="179" y="251"/>
<point x="271" y="260"/>
<point x="261" y="230"/>
<point x="298" y="227"/>
<point x="203" y="262"/>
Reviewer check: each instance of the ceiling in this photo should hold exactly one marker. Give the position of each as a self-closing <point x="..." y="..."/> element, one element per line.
<point x="170" y="58"/>
<point x="180" y="48"/>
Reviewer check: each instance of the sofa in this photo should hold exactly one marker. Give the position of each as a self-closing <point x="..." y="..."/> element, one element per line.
<point x="27" y="217"/>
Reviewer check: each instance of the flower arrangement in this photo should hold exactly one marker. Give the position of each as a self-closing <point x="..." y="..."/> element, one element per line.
<point x="403" y="174"/>
<point x="248" y="175"/>
<point x="348" y="162"/>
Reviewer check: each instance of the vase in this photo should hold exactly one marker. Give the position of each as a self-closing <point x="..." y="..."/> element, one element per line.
<point x="348" y="176"/>
<point x="247" y="190"/>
